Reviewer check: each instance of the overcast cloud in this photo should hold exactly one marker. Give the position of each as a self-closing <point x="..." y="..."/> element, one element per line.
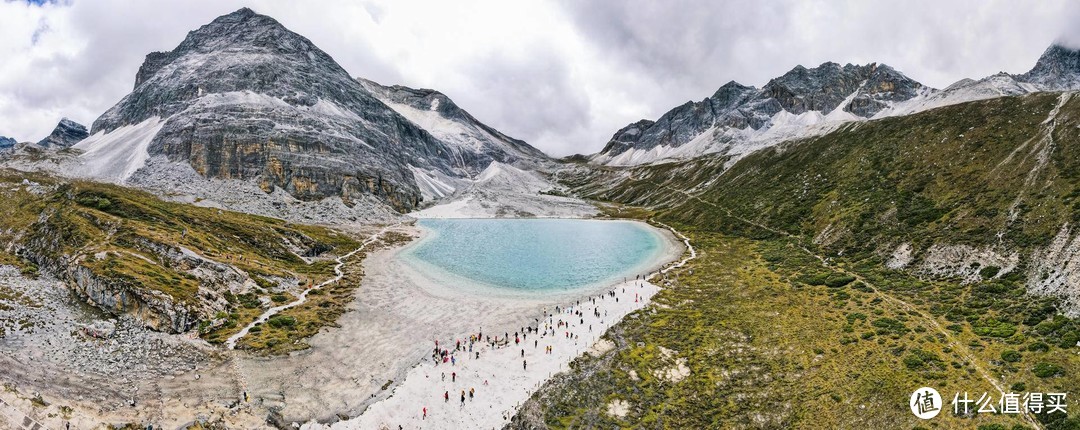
<point x="563" y="76"/>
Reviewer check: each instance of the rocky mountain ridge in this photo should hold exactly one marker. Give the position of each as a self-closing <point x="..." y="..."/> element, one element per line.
<point x="739" y="119"/>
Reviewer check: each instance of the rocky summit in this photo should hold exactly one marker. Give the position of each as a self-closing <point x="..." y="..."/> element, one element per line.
<point x="66" y="134"/>
<point x="828" y="91"/>
<point x="1058" y="69"/>
<point x="245" y="98"/>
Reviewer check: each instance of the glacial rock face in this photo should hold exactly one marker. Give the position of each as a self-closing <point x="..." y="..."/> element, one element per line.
<point x="871" y="88"/>
<point x="1058" y="69"/>
<point x="66" y="134"/>
<point x="6" y="143"/>
<point x="245" y="98"/>
<point x="809" y="95"/>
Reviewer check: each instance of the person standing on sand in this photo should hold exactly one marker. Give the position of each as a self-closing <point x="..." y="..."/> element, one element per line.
<point x="425" y="414"/>
<point x="524" y="365"/>
<point x="471" y="391"/>
<point x="462" y="398"/>
<point x="453" y="377"/>
<point x="446" y="396"/>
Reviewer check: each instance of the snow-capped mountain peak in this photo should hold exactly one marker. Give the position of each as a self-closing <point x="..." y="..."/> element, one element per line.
<point x="805" y="102"/>
<point x="244" y="99"/>
<point x="739" y="118"/>
<point x="1057" y="69"/>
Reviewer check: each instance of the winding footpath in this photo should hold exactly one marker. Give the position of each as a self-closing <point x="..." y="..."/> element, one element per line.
<point x="231" y="342"/>
<point x="681" y="263"/>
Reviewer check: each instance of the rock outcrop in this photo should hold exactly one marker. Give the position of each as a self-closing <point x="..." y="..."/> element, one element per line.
<point x="47" y="247"/>
<point x="66" y="134"/>
<point x="1058" y="69"/>
<point x="6" y="143"/>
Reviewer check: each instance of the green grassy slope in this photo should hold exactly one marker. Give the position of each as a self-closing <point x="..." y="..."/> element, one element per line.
<point x="121" y="235"/>
<point x="777" y="338"/>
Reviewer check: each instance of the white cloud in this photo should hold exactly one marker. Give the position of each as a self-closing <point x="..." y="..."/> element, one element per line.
<point x="562" y="76"/>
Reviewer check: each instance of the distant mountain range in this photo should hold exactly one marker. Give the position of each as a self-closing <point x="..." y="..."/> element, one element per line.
<point x="247" y="115"/>
<point x="739" y="119"/>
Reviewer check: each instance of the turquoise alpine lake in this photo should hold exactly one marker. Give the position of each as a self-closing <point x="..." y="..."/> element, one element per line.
<point x="537" y="254"/>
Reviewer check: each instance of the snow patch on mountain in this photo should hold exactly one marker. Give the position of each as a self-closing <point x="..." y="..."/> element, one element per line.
<point x="965" y="90"/>
<point x="734" y="142"/>
<point x="441" y="127"/>
<point x="434" y="185"/>
<point x="116" y="155"/>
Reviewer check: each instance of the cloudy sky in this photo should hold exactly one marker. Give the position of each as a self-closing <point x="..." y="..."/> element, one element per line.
<point x="562" y="75"/>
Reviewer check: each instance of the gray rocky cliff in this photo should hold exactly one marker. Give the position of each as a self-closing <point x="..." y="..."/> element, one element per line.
<point x="66" y="134"/>
<point x="245" y="98"/>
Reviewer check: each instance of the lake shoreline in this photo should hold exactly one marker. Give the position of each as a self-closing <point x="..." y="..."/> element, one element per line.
<point x="434" y="311"/>
<point x="438" y="278"/>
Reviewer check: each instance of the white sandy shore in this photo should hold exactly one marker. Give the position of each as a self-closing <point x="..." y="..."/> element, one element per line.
<point x="499" y="377"/>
